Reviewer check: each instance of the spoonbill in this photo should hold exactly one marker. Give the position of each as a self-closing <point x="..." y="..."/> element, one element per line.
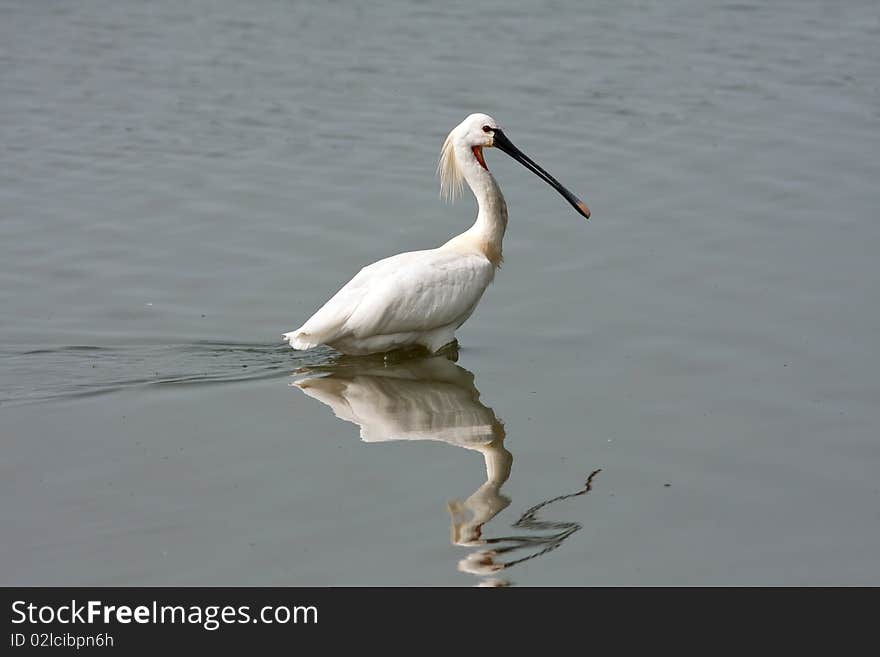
<point x="422" y="297"/>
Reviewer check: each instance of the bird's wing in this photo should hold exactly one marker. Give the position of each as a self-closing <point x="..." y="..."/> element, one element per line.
<point x="414" y="291"/>
<point x="419" y="291"/>
<point x="329" y="320"/>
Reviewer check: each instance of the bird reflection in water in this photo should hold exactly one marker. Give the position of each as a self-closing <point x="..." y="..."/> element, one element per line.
<point x="433" y="398"/>
<point x="490" y="558"/>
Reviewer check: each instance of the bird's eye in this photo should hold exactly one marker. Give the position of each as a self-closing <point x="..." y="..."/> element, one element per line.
<point x="487" y="128"/>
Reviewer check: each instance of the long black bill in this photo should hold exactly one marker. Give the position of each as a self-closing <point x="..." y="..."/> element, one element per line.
<point x="501" y="142"/>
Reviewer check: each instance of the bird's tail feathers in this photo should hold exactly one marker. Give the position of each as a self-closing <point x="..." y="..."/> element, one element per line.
<point x="300" y="340"/>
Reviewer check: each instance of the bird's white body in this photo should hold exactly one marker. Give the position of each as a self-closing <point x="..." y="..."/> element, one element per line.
<point x="420" y="297"/>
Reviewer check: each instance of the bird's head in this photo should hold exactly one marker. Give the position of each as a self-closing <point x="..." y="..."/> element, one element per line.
<point x="476" y="131"/>
<point x="466" y="143"/>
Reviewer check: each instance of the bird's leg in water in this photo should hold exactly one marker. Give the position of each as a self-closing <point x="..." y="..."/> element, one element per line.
<point x="448" y="351"/>
<point x="405" y="353"/>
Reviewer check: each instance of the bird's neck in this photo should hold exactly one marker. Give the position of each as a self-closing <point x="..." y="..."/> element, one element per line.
<point x="487" y="233"/>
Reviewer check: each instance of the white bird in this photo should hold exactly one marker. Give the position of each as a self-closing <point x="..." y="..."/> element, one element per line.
<point x="422" y="297"/>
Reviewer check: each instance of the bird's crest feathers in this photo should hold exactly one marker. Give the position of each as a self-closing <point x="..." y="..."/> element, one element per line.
<point x="451" y="177"/>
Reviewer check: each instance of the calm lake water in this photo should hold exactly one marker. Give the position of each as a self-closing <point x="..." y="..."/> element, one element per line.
<point x="181" y="182"/>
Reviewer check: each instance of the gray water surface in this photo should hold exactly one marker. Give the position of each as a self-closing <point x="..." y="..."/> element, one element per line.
<point x="181" y="182"/>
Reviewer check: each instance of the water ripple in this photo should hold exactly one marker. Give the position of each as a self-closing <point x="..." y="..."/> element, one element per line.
<point x="41" y="374"/>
